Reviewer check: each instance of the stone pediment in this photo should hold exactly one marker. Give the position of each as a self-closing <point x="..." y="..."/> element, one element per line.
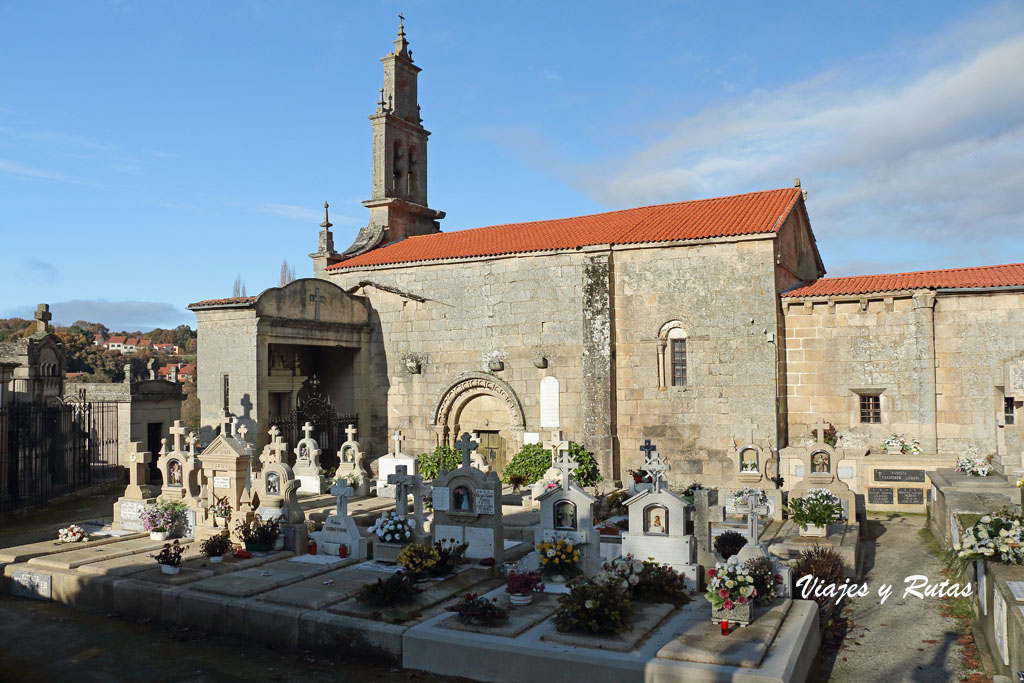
<point x="224" y="447"/>
<point x="659" y="496"/>
<point x="572" y="493"/>
<point x="313" y="300"/>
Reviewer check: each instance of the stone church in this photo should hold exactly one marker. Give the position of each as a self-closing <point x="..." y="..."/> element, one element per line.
<point x="699" y="324"/>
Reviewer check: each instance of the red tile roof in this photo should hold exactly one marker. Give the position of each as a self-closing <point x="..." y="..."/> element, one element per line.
<point x="116" y="340"/>
<point x="1009" y="275"/>
<point x="745" y="214"/>
<point x="187" y="369"/>
<point x="224" y="302"/>
<point x="131" y="341"/>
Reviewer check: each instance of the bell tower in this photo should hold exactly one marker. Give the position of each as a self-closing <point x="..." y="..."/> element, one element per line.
<point x="398" y="195"/>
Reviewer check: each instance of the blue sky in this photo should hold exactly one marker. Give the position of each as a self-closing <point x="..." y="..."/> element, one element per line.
<point x="152" y="151"/>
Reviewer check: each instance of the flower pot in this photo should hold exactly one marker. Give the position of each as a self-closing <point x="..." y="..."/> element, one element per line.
<point x="216" y="558"/>
<point x="158" y="535"/>
<point x="739" y="614"/>
<point x="814" y="531"/>
<point x="520" y="599"/>
<point x="386" y="552"/>
<point x="558" y="578"/>
<point x="169" y="569"/>
<point x="255" y="546"/>
<point x="894" y="451"/>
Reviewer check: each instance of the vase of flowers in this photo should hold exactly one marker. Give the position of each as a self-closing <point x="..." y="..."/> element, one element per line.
<point x="169" y="557"/>
<point x="521" y="586"/>
<point x="260" y="534"/>
<point x="897" y="444"/>
<point x="221" y="511"/>
<point x="215" y="546"/>
<point x="815" y="511"/>
<point x="162" y="519"/>
<point x="393" y="531"/>
<point x="993" y="538"/>
<point x="558" y="560"/>
<point x="71" y="534"/>
<point x="974" y="466"/>
<point x="730" y="591"/>
<point x="418" y="559"/>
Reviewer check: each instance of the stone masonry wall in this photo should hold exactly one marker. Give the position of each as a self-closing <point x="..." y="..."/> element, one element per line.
<point x="225" y="343"/>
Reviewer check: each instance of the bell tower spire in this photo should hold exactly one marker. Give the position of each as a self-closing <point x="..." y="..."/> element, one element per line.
<point x="398" y="194"/>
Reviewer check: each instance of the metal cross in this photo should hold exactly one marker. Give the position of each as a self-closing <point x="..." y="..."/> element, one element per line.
<point x="307" y="429"/>
<point x="656" y="467"/>
<point x="467" y="446"/>
<point x="398" y="439"/>
<point x="565" y="464"/>
<point x="342" y="491"/>
<point x="648" y="448"/>
<point x="350" y="432"/>
<point x="317" y="299"/>
<point x="177" y="432"/>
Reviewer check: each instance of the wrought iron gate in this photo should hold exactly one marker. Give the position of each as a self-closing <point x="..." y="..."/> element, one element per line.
<point x="328" y="425"/>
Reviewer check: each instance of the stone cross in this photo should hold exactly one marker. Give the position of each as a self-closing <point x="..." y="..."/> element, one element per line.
<point x="177" y="433"/>
<point x="467" y="446"/>
<point x="350" y="432"/>
<point x="43" y="317"/>
<point x="656" y="467"/>
<point x="307" y="430"/>
<point x="274" y="433"/>
<point x="225" y="424"/>
<point x="820" y="428"/>
<point x="402" y="481"/>
<point x="234" y="428"/>
<point x="138" y="470"/>
<point x="342" y="491"/>
<point x="317" y="298"/>
<point x="753" y="511"/>
<point x="242" y="431"/>
<point x="191" y="440"/>
<point x="565" y="464"/>
<point x="556" y="444"/>
<point x="398" y="439"/>
<point x="276" y="448"/>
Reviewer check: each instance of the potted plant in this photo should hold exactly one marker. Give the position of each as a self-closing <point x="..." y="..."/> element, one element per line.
<point x="730" y="590"/>
<point x="259" y="534"/>
<point x="897" y="444"/>
<point x="162" y="518"/>
<point x="170" y="557"/>
<point x="728" y="543"/>
<point x="392" y="532"/>
<point x="522" y="585"/>
<point x="215" y="546"/>
<point x="71" y="534"/>
<point x="815" y="511"/>
<point x="221" y="510"/>
<point x="418" y="559"/>
<point x="473" y="609"/>
<point x="558" y="560"/>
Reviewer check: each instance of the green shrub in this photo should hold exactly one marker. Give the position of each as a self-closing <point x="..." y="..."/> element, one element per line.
<point x="588" y="474"/>
<point x="530" y="463"/>
<point x="728" y="543"/>
<point x="595" y="607"/>
<point x="443" y="457"/>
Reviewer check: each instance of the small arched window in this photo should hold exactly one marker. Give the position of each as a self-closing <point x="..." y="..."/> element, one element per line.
<point x="462" y="499"/>
<point x="396" y="160"/>
<point x="565" y="515"/>
<point x="672" y="358"/>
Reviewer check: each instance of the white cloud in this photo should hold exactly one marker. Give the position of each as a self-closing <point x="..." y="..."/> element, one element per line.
<point x="8" y="166"/>
<point x="116" y="315"/>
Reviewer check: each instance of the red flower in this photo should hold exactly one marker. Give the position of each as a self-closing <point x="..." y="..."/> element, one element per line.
<point x="728" y="605"/>
<point x="723" y="593"/>
<point x="711" y="572"/>
<point x="778" y="577"/>
<point x="742" y="600"/>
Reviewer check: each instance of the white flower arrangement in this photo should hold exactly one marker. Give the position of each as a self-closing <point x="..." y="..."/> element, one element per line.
<point x="752" y="496"/>
<point x="72" y="534"/>
<point x="975" y="466"/>
<point x="627" y="568"/>
<point x="352" y="479"/>
<point x="992" y="537"/>
<point x="392" y="527"/>
<point x="900" y="443"/>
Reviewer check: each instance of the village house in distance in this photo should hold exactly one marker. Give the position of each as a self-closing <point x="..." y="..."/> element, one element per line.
<point x="707" y="325"/>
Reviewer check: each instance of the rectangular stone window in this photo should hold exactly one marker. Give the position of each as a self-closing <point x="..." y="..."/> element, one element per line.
<point x="678" y="362"/>
<point x="1008" y="410"/>
<point x="224" y="391"/>
<point x="871" y="409"/>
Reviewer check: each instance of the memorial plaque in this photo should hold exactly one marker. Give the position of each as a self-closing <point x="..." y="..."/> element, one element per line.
<point x="1017" y="588"/>
<point x="131" y="515"/>
<point x="999" y="621"/>
<point x="549" y="403"/>
<point x="899" y="475"/>
<point x="879" y="496"/>
<point x="845" y="472"/>
<point x="484" y="502"/>
<point x="189" y="530"/>
<point x="222" y="482"/>
<point x="798" y="469"/>
<point x="910" y="496"/>
<point x="30" y="585"/>
<point x="441" y="498"/>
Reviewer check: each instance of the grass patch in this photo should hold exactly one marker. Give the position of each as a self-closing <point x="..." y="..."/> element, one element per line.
<point x="882" y="514"/>
<point x="931" y="544"/>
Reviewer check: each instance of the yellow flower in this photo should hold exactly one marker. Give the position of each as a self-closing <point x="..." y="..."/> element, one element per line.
<point x="556" y="560"/>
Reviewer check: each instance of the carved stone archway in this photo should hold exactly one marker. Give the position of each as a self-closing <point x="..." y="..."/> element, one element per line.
<point x="463" y="389"/>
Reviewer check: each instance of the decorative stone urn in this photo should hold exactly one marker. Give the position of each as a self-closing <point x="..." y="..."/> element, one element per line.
<point x="739" y="614"/>
<point x="387" y="552"/>
<point x="814" y="531"/>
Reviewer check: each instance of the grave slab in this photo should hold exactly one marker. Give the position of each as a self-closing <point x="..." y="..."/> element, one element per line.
<point x="646" y="618"/>
<point x="153" y="574"/>
<point x="520" y="618"/>
<point x="701" y="641"/>
<point x="24" y="553"/>
<point x="88" y="555"/>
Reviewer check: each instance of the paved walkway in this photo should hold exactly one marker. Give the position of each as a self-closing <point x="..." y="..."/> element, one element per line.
<point x="906" y="639"/>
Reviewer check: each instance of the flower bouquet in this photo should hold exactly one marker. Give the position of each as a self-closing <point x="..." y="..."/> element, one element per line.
<point x="750" y="496"/>
<point x="392" y="527"/>
<point x="418" y="558"/>
<point x="72" y="534"/>
<point x="974" y="466"/>
<point x="558" y="560"/>
<point x="595" y="607"/>
<point x="896" y="443"/>
<point x="221" y="509"/>
<point x="522" y="585"/>
<point x="818" y="508"/>
<point x="479" y="610"/>
<point x="647" y="581"/>
<point x="730" y="590"/>
<point x="767" y="582"/>
<point x="160" y="519"/>
<point x="996" y="537"/>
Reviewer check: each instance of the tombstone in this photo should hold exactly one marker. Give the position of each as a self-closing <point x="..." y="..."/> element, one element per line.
<point x="657" y="523"/>
<point x="138" y="494"/>
<point x="751" y="464"/>
<point x="477" y="460"/>
<point x="555" y="445"/>
<point x="340" y="529"/>
<point x="307" y="464"/>
<point x="180" y="469"/>
<point x="389" y="464"/>
<point x="404" y="485"/>
<point x="352" y="461"/>
<point x="707" y="513"/>
<point x="819" y="461"/>
<point x="467" y="507"/>
<point x="567" y="512"/>
<point x="226" y="472"/>
<point x="275" y="488"/>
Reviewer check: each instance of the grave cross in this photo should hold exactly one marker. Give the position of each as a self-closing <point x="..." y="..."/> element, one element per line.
<point x="647" y="447"/>
<point x="401" y="481"/>
<point x="753" y="510"/>
<point x="317" y="298"/>
<point x="307" y="430"/>
<point x="350" y="432"/>
<point x="656" y="467"/>
<point x="277" y="449"/>
<point x="242" y="431"/>
<point x="225" y="423"/>
<point x="234" y="427"/>
<point x="191" y="440"/>
<point x="274" y="433"/>
<point x="342" y="491"/>
<point x="565" y="464"/>
<point x="43" y="317"/>
<point x="467" y="446"/>
<point x="820" y="428"/>
<point x="177" y="433"/>
<point x="556" y="444"/>
<point x="139" y="467"/>
<point x="398" y="439"/>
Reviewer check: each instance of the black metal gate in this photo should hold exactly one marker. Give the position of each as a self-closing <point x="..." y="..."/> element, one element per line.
<point x="328" y="426"/>
<point x="55" y="448"/>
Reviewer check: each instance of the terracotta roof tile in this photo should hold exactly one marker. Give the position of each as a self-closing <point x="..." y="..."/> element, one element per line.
<point x="745" y="214"/>
<point x="224" y="302"/>
<point x="116" y="340"/>
<point x="1009" y="275"/>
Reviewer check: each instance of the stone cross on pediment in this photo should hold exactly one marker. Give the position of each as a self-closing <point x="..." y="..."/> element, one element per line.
<point x="307" y="430"/>
<point x="191" y="440"/>
<point x="820" y="428"/>
<point x="566" y="465"/>
<point x="342" y="491"/>
<point x="276" y="451"/>
<point x="656" y="467"/>
<point x="467" y="446"/>
<point x="138" y="468"/>
<point x="350" y="432"/>
<point x="398" y="439"/>
<point x="177" y="433"/>
<point x="225" y="424"/>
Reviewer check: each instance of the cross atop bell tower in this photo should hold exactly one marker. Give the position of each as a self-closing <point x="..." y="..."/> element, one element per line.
<point x="398" y="194"/>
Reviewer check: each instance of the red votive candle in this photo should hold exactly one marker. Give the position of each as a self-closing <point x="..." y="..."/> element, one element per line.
<point x="725" y="628"/>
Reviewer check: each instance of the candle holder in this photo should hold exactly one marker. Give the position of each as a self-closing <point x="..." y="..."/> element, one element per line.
<point x="725" y="627"/>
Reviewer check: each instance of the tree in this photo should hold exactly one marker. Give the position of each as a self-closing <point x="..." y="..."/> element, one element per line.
<point x="239" y="289"/>
<point x="182" y="336"/>
<point x="287" y="274"/>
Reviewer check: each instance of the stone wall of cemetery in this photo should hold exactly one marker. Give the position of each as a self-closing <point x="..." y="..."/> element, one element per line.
<point x="226" y="344"/>
<point x="935" y="360"/>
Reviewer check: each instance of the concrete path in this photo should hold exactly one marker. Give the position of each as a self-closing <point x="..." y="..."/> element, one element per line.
<point x="905" y="639"/>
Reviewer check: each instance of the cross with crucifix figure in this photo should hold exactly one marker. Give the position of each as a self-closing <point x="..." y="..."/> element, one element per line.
<point x="753" y="510"/>
<point x="317" y="298"/>
<point x="656" y="467"/>
<point x="404" y="484"/>
<point x="565" y="464"/>
<point x="342" y="491"/>
<point x="556" y="444"/>
<point x="467" y="446"/>
<point x="177" y="433"/>
<point x="398" y="439"/>
<point x="350" y="432"/>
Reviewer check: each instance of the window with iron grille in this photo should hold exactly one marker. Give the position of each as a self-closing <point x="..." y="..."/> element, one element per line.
<point x="1008" y="410"/>
<point x="871" y="409"/>
<point x="678" y="362"/>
